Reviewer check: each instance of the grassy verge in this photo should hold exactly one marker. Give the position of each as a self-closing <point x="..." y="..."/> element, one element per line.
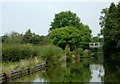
<point x="21" y="56"/>
<point x="10" y="66"/>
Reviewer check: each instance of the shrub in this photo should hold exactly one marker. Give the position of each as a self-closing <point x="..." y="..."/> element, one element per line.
<point x="79" y="51"/>
<point x="12" y="53"/>
<point x="68" y="53"/>
<point x="53" y="55"/>
<point x="86" y="53"/>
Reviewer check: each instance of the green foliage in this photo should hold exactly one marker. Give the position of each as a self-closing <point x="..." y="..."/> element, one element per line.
<point x="41" y="40"/>
<point x="52" y="55"/>
<point x="12" y="38"/>
<point x="112" y="68"/>
<point x="27" y="36"/>
<point x="102" y="18"/>
<point x="95" y="39"/>
<point x="111" y="31"/>
<point x="66" y="35"/>
<point x="68" y="73"/>
<point x="65" y="19"/>
<point x="86" y="53"/>
<point x="70" y="19"/>
<point x="32" y="38"/>
<point x="68" y="53"/>
<point x="10" y="66"/>
<point x="79" y="51"/>
<point x="13" y="52"/>
<point x="87" y="33"/>
<point x="67" y="50"/>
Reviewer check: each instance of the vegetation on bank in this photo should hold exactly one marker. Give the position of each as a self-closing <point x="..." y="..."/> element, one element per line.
<point x="21" y="65"/>
<point x="13" y="52"/>
<point x="21" y="56"/>
<point x="110" y="23"/>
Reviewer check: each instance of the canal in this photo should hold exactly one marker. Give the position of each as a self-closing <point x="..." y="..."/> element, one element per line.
<point x="84" y="70"/>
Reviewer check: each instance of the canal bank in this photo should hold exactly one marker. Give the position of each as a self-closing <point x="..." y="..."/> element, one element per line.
<point x="20" y="73"/>
<point x="76" y="71"/>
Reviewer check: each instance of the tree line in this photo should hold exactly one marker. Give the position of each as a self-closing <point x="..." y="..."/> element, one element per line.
<point x="110" y="23"/>
<point x="28" y="37"/>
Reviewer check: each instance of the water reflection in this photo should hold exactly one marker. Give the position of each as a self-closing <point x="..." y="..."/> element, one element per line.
<point x="84" y="70"/>
<point x="97" y="71"/>
<point x="39" y="80"/>
<point x="112" y="70"/>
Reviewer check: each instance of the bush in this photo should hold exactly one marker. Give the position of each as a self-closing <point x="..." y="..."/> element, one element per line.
<point x="79" y="51"/>
<point x="86" y="53"/>
<point x="68" y="54"/>
<point x="53" y="55"/>
<point x="12" y="53"/>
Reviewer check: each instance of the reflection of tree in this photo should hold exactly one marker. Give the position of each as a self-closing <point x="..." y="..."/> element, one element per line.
<point x="71" y="73"/>
<point x="112" y="70"/>
<point x="97" y="60"/>
<point x="31" y="78"/>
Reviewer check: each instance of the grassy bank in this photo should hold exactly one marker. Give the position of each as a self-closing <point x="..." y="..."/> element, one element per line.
<point x="10" y="66"/>
<point x="26" y="55"/>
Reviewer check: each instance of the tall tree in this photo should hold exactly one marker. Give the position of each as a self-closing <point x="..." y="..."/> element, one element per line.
<point x="70" y="19"/>
<point x="102" y="18"/>
<point x="66" y="36"/>
<point x="13" y="37"/>
<point x="63" y="19"/>
<point x="27" y="36"/>
<point x="117" y="36"/>
<point x="111" y="29"/>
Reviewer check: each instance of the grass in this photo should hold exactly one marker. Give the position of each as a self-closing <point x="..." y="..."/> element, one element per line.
<point x="10" y="66"/>
<point x="43" y="52"/>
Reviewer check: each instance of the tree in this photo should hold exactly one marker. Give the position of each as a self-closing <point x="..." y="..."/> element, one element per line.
<point x="95" y="39"/>
<point x="87" y="33"/>
<point x="27" y="36"/>
<point x="111" y="29"/>
<point x="117" y="37"/>
<point x="70" y="19"/>
<point x="4" y="37"/>
<point x="36" y="39"/>
<point x="102" y="18"/>
<point x="13" y="37"/>
<point x="66" y="35"/>
<point x="63" y="19"/>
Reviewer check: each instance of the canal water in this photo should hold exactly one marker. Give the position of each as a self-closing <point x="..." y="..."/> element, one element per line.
<point x="85" y="70"/>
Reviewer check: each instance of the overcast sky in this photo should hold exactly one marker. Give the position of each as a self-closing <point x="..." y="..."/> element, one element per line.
<point x="37" y="16"/>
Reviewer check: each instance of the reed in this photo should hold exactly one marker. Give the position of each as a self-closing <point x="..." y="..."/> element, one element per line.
<point x="26" y="55"/>
<point x="10" y="66"/>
